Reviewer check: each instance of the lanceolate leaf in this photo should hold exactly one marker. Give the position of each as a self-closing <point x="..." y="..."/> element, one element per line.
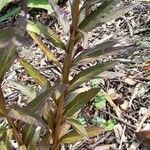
<point x="73" y="136"/>
<point x="89" y="73"/>
<point x="77" y="126"/>
<point x="34" y="73"/>
<point x="28" y="91"/>
<point x="79" y="101"/>
<point x="75" y="93"/>
<point x="31" y="3"/>
<point x="27" y="133"/>
<point x="48" y="115"/>
<point x="33" y="143"/>
<point x="96" y="51"/>
<point x="40" y="4"/>
<point x="63" y="22"/>
<point x="117" y="13"/>
<point x="26" y="115"/>
<point x="10" y="14"/>
<point x="94" y="17"/>
<point x="40" y="29"/>
<point x="38" y="103"/>
<point x="99" y="50"/>
<point x="45" y="49"/>
<point x="7" y="56"/>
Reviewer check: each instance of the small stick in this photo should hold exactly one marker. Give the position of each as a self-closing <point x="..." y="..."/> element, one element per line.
<point x="121" y="141"/>
<point x="120" y="120"/>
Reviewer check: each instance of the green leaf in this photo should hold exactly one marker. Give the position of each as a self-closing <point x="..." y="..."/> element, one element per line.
<point x="79" y="101"/>
<point x="3" y="3"/>
<point x="41" y="29"/>
<point x="73" y="94"/>
<point x="106" y="124"/>
<point x="93" y="53"/>
<point x="82" y="120"/>
<point x="63" y="22"/>
<point x="38" y="103"/>
<point x="27" y="134"/>
<point x="45" y="49"/>
<point x="40" y="4"/>
<point x="26" y="90"/>
<point x="34" y="73"/>
<point x="94" y="18"/>
<point x="89" y="73"/>
<point x="77" y="126"/>
<point x="89" y="2"/>
<point x="100" y="100"/>
<point x="73" y="136"/>
<point x="96" y="82"/>
<point x="26" y="115"/>
<point x="109" y="125"/>
<point x="49" y="117"/>
<point x="117" y="13"/>
<point x="98" y="121"/>
<point x="7" y="56"/>
<point x="10" y="14"/>
<point x="36" y="136"/>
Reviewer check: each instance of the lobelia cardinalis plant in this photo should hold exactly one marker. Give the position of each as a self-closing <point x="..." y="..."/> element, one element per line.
<point x="50" y="118"/>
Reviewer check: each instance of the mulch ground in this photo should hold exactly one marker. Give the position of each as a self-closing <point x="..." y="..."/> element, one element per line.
<point x="128" y="84"/>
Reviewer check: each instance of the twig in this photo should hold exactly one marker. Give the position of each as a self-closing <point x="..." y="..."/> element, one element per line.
<point x="120" y="120"/>
<point x="121" y="141"/>
<point x="100" y="141"/>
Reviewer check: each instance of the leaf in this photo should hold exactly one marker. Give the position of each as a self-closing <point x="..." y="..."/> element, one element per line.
<point x="40" y="29"/>
<point x="79" y="101"/>
<point x="49" y="117"/>
<point x="90" y="2"/>
<point x="73" y="136"/>
<point x="73" y="94"/>
<point x="10" y="14"/>
<point x="40" y="4"/>
<point x="26" y="90"/>
<point x="77" y="126"/>
<point x="45" y="49"/>
<point x="85" y="38"/>
<point x="63" y="22"/>
<point x="3" y="3"/>
<point x="93" y="53"/>
<point x="89" y="73"/>
<point x="38" y="103"/>
<point x="26" y="115"/>
<point x="7" y="56"/>
<point x="100" y="100"/>
<point x="34" y="73"/>
<point x="144" y="137"/>
<point x="33" y="143"/>
<point x="44" y="143"/>
<point x="117" y="13"/>
<point x="27" y="134"/>
<point x="94" y="17"/>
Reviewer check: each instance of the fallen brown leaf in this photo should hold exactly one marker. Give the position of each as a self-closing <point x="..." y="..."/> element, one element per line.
<point x="144" y="137"/>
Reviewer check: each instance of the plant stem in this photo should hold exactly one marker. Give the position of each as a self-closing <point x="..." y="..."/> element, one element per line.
<point x="66" y="72"/>
<point x="10" y="122"/>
